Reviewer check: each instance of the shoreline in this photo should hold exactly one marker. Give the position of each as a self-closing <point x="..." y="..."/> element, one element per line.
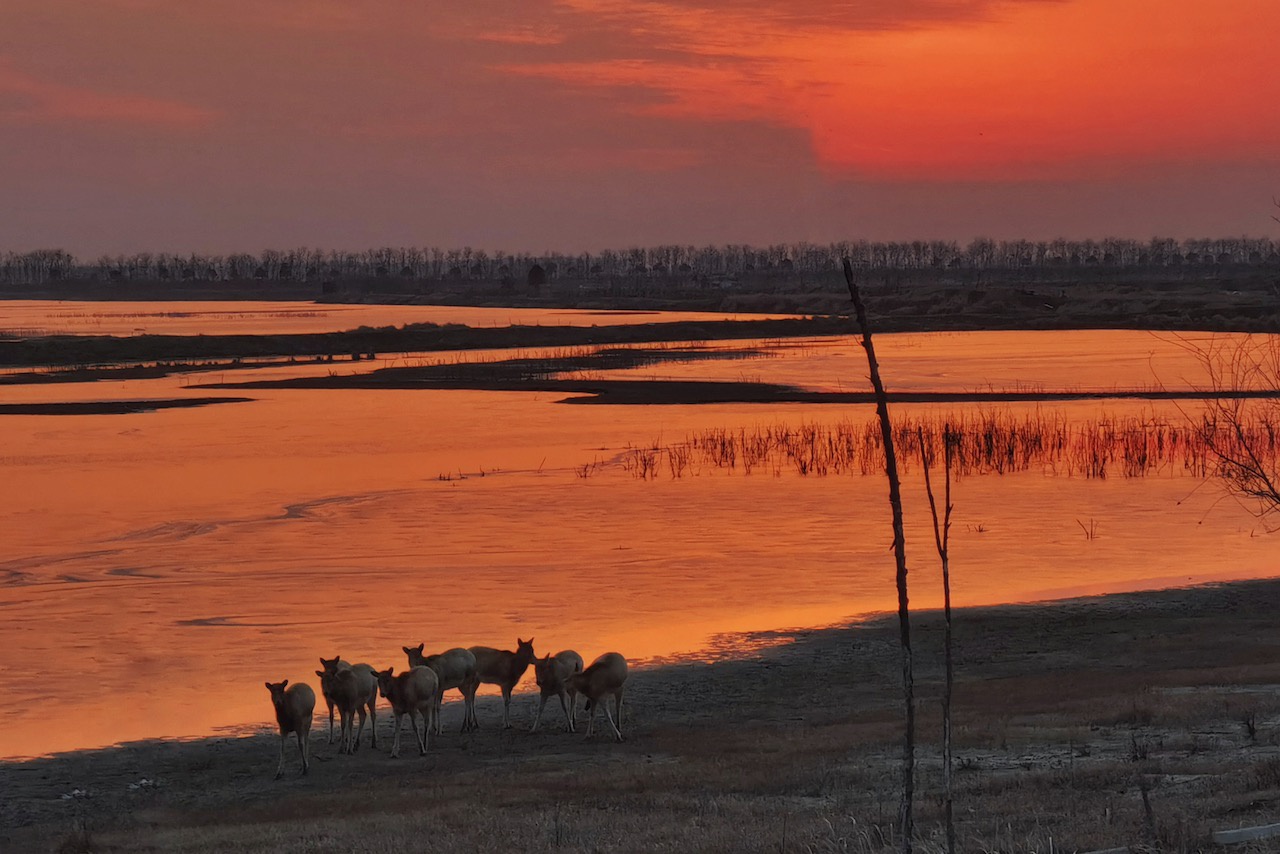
<point x="1125" y="685"/>
<point x="1232" y="298"/>
<point x="721" y="649"/>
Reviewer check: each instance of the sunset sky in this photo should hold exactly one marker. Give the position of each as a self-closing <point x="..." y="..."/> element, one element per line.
<point x="530" y="125"/>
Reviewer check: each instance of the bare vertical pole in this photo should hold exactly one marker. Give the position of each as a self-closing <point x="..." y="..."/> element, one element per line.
<point x="941" y="538"/>
<point x="905" y="822"/>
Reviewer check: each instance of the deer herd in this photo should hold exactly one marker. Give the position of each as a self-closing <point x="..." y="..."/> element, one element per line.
<point x="353" y="690"/>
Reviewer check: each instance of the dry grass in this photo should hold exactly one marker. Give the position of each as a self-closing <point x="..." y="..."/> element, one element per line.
<point x="985" y="441"/>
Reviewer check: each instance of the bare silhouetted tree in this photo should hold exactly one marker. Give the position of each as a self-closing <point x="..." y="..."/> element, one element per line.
<point x="1241" y="420"/>
<point x="905" y="820"/>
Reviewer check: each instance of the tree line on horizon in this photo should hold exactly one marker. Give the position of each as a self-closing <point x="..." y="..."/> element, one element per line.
<point x="42" y="266"/>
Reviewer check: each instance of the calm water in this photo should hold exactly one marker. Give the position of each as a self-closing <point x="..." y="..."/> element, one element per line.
<point x="82" y="317"/>
<point x="175" y="560"/>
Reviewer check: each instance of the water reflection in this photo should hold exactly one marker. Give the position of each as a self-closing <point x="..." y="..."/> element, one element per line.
<point x="183" y="557"/>
<point x="27" y="318"/>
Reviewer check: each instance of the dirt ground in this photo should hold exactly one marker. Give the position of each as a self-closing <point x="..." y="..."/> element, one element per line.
<point x="1146" y="720"/>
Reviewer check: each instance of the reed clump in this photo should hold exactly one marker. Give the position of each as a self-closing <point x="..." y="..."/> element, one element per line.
<point x="996" y="441"/>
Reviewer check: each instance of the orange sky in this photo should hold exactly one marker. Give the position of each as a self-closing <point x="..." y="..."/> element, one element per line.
<point x="579" y="124"/>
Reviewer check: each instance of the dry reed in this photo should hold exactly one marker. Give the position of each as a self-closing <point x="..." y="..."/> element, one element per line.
<point x="984" y="442"/>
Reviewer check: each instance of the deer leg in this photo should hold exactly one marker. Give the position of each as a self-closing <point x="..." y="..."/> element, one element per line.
<point x="617" y="706"/>
<point x="466" y="714"/>
<point x="395" y="741"/>
<point x="564" y="704"/>
<point x="506" y="707"/>
<point x="470" y="717"/>
<point x="538" y="715"/>
<point x="280" y="768"/>
<point x="348" y="727"/>
<point x="413" y="724"/>
<point x="355" y="742"/>
<point x="470" y="722"/>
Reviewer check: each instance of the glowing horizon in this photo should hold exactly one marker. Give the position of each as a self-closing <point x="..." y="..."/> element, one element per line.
<point x="573" y="125"/>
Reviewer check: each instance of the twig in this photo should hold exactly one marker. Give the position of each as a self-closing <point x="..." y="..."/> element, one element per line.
<point x="941" y="539"/>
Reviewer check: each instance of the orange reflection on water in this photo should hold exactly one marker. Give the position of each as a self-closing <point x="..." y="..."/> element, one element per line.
<point x="184" y="557"/>
<point x="253" y="317"/>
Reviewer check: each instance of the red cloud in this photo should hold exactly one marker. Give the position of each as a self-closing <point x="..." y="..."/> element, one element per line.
<point x="950" y="89"/>
<point x="25" y="99"/>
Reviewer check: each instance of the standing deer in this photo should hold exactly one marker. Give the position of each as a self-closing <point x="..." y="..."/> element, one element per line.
<point x="454" y="668"/>
<point x="605" y="676"/>
<point x="503" y="668"/>
<point x="411" y="693"/>
<point x="294" y="709"/>
<point x="551" y="673"/>
<point x="366" y="691"/>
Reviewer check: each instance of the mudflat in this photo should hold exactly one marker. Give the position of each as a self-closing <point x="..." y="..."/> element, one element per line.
<point x="1127" y="720"/>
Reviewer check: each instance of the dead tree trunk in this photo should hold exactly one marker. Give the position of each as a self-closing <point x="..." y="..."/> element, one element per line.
<point x="905" y="822"/>
<point x="941" y="539"/>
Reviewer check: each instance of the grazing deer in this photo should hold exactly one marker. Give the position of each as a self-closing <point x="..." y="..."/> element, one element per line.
<point x="294" y="709"/>
<point x="454" y="668"/>
<point x="550" y="672"/>
<point x="412" y="692"/>
<point x="503" y="668"/>
<point x="605" y="676"/>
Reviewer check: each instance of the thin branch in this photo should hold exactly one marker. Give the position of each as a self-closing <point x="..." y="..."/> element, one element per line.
<point x="941" y="535"/>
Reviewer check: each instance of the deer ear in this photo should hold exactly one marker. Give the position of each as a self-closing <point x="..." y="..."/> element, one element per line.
<point x="268" y="684"/>
<point x="284" y="684"/>
<point x="320" y="673"/>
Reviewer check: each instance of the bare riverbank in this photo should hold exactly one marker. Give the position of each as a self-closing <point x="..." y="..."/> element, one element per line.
<point x="1245" y="301"/>
<point x="1066" y="713"/>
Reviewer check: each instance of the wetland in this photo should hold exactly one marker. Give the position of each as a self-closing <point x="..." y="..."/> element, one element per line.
<point x="449" y="496"/>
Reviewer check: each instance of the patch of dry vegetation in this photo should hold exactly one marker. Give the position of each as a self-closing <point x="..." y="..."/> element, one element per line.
<point x="984" y="441"/>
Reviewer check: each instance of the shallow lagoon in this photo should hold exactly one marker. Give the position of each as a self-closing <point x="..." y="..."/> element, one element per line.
<point x="177" y="559"/>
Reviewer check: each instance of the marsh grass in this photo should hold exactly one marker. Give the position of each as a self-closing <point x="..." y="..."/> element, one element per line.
<point x="985" y="441"/>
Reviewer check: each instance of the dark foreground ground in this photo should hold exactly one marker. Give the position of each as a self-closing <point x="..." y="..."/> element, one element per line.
<point x="1066" y="714"/>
